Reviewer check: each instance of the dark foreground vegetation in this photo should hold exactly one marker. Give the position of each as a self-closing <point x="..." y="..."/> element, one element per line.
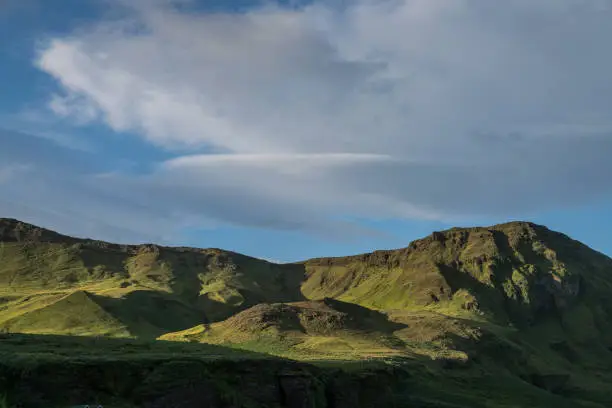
<point x="60" y="371"/>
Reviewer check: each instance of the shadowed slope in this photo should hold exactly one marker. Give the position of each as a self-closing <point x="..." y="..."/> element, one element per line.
<point x="75" y="314"/>
<point x="149" y="289"/>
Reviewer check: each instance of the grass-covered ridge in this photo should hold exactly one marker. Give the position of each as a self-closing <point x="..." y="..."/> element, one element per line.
<point x="514" y="301"/>
<point x="140" y="290"/>
<point x="506" y="271"/>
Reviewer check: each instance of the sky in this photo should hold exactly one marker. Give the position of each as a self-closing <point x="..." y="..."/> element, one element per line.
<point x="287" y="130"/>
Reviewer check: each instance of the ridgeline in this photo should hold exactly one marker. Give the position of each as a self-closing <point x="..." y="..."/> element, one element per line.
<point x="510" y="315"/>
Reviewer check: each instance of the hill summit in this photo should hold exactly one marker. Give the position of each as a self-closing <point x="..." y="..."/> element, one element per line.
<point x="515" y="272"/>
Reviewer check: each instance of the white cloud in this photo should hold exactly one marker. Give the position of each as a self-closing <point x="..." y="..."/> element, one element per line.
<point x="68" y="190"/>
<point x="389" y="108"/>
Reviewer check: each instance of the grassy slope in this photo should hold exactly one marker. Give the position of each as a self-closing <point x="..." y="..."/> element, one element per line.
<point x="145" y="289"/>
<point x="496" y="268"/>
<point x="76" y="314"/>
<point x="518" y="292"/>
<point x="515" y="301"/>
<point x="306" y="330"/>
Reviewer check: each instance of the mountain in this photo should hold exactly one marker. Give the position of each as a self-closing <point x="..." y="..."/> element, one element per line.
<point x="148" y="289"/>
<point x="514" y="274"/>
<point x="516" y="301"/>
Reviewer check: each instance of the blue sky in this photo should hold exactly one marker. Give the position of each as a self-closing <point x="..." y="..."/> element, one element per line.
<point x="289" y="130"/>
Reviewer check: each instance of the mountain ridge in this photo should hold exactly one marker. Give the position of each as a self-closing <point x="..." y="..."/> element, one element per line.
<point x="13" y="230"/>
<point x="515" y="298"/>
<point x="438" y="260"/>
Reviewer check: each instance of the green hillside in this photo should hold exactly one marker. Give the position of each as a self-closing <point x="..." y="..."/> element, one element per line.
<point x="516" y="302"/>
<point x="305" y="330"/>
<point x="149" y="289"/>
<point x="74" y="314"/>
<point x="511" y="272"/>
